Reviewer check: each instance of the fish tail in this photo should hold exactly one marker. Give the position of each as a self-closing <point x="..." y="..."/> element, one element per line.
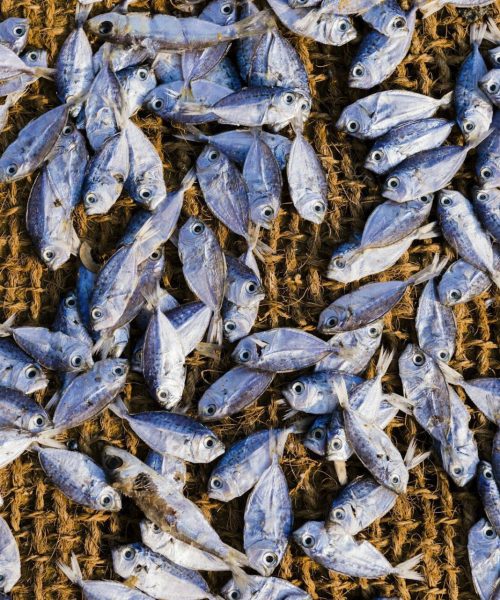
<point x="86" y="258"/>
<point x="384" y="361"/>
<point x="54" y="401"/>
<point x="188" y="180"/>
<point x="103" y="345"/>
<point x="208" y="350"/>
<point x="254" y="24"/>
<point x="193" y="134"/>
<point x="119" y="408"/>
<point x="236" y="560"/>
<point x="446" y="100"/>
<point x="6" y="326"/>
<point x="477" y="33"/>
<point x="493" y="33"/>
<point x="242" y="579"/>
<point x="289" y="414"/>
<point x="45" y="72"/>
<point x="400" y="402"/>
<point x="412" y="459"/>
<point x="429" y="272"/>
<point x="82" y="13"/>
<point x="406" y="570"/>
<point x="342" y="395"/>
<point x="73" y="572"/>
<point x="430" y="230"/>
<point x="451" y="376"/>
<point x="431" y="7"/>
<point x="341" y="471"/>
<point x="215" y="329"/>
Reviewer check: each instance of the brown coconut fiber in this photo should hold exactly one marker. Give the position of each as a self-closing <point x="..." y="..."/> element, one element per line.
<point x="434" y="517"/>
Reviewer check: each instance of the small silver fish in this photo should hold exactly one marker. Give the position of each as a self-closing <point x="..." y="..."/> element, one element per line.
<point x="315" y="439"/>
<point x="489" y="494"/>
<point x="387" y="17"/>
<point x="341" y="553"/>
<point x="463" y="282"/>
<point x="234" y="391"/>
<point x="69" y="321"/>
<point x="18" y="371"/>
<point x="371" y="301"/>
<point x="307" y="181"/>
<point x="488" y="157"/>
<point x="20" y="411"/>
<point x="14" y="33"/>
<point x="17" y="74"/>
<point x="404" y="141"/>
<point x="136" y="82"/>
<point x="79" y="478"/>
<point x="490" y="84"/>
<point x="243" y="285"/>
<point x="483" y="548"/>
<point x="204" y="268"/>
<point x="238" y="321"/>
<point x="173" y="434"/>
<point x="268" y="520"/>
<point x="262" y="588"/>
<point x="377" y="114"/>
<point x="487" y="207"/>
<point x="10" y="563"/>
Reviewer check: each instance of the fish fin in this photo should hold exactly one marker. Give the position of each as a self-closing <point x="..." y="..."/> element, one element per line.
<point x="480" y="139"/>
<point x="301" y="426"/>
<point x="215" y="329"/>
<point x="6" y="326"/>
<point x="429" y="272"/>
<point x="188" y="180"/>
<point x="54" y="401"/>
<point x="45" y="72"/>
<point x="119" y="408"/>
<point x="82" y="13"/>
<point x="73" y="571"/>
<point x="400" y="402"/>
<point x="236" y="559"/>
<point x="427" y="231"/>
<point x="193" y="134"/>
<point x="451" y="376"/>
<point x="341" y="471"/>
<point x="194" y="108"/>
<point x="384" y="361"/>
<point x="45" y="440"/>
<point x="412" y="459"/>
<point x="342" y="395"/>
<point x="174" y="238"/>
<point x="431" y="7"/>
<point x="406" y="570"/>
<point x="255" y="24"/>
<point x="290" y="414"/>
<point x="103" y="345"/>
<point x="477" y="33"/>
<point x="447" y="99"/>
<point x="186" y="93"/>
<point x="493" y="33"/>
<point x="242" y="579"/>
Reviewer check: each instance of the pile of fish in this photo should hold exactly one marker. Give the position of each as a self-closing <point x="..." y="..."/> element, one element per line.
<point x="230" y="65"/>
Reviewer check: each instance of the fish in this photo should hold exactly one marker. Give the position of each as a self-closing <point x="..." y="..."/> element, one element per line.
<point x="169" y="509"/>
<point x="99" y="589"/>
<point x="79" y="478"/>
<point x="137" y="82"/>
<point x="431" y="7"/>
<point x="179" y="552"/>
<point x="173" y="434"/>
<point x="352" y="350"/>
<point x="315" y="393"/>
<point x="307" y="181"/>
<point x="268" y="520"/>
<point x="10" y="565"/>
<point x="69" y="321"/>
<point x="464" y="233"/>
<point x="236" y="143"/>
<point x="238" y="321"/>
<point x="18" y="410"/>
<point x="386" y="17"/>
<point x="168" y="67"/>
<point x="245" y="461"/>
<point x="321" y="24"/>
<point x="486" y="205"/>
<point x="378" y="55"/>
<point x="52" y="349"/>
<point x="89" y="393"/>
<point x="483" y="391"/>
<point x="74" y="65"/>
<point x="473" y="109"/>
<point x="106" y="175"/>
<point x="234" y="391"/>
<point x="17" y="74"/>
<point x="436" y="325"/>
<point x="154" y="574"/>
<point x="342" y="553"/>
<point x="33" y="145"/>
<point x="390" y="221"/>
<point x="490" y="84"/>
<point x="351" y="262"/>
<point x="204" y="268"/>
<point x="262" y="176"/>
<point x="260" y="588"/>
<point x="280" y="350"/>
<point x="425" y="172"/>
<point x="315" y="439"/>
<point x="488" y="157"/>
<point x="171" y="468"/>
<point x="18" y="371"/>
<point x="483" y="548"/>
<point x="121" y="57"/>
<point x="405" y="140"/>
<point x="371" y="301"/>
<point x="14" y="33"/>
<point x="495" y="457"/>
<point x="489" y="494"/>
<point x="243" y="284"/>
<point x="14" y="442"/>
<point x="166" y="32"/>
<point x="375" y="115"/>
<point x="462" y="282"/>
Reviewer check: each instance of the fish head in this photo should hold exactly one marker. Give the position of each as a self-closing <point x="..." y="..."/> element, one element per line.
<point x="370" y="335"/>
<point x="342" y="516"/>
<point x="36" y="420"/>
<point x="55" y="255"/>
<point x="339" y="29"/>
<point x="264" y="556"/>
<point x="483" y="540"/>
<point x="362" y="76"/>
<point x="476" y="121"/>
<point x="246" y="289"/>
<point x="354" y="120"/>
<point x="396" y="477"/>
<point x="79" y="356"/>
<point x="121" y="466"/>
<point x="30" y="378"/>
<point x="494" y="55"/>
<point x="414" y="366"/>
<point x="247" y="351"/>
<point x="113" y="370"/>
<point x="344" y="265"/>
<point x="238" y="590"/>
<point x="488" y="171"/>
<point x="162" y="100"/>
<point x="194" y="233"/>
<point x="14" y="32"/>
<point x="35" y="57"/>
<point x="460" y="462"/>
<point x="220" y="12"/>
<point x="453" y="285"/>
<point x="485" y="475"/>
<point x="450" y="203"/>
<point x="210" y="406"/>
<point x="207" y="446"/>
<point x="311" y="537"/>
<point x="211" y="160"/>
<point x="315" y="438"/>
<point x="263" y="212"/>
<point x="103" y="315"/>
<point x="220" y="487"/>
<point x="10" y="169"/>
<point x="490" y="84"/>
<point x="289" y="106"/>
<point x="111" y="26"/>
<point x="142" y="78"/>
<point x="238" y="320"/>
<point x="337" y="445"/>
<point x="398" y="186"/>
<point x="313" y="206"/>
<point x="381" y="157"/>
<point x="109" y="499"/>
<point x="127" y="559"/>
<point x="302" y="392"/>
<point x="332" y="319"/>
<point x="99" y="199"/>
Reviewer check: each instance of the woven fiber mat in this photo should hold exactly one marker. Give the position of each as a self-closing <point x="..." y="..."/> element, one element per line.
<point x="433" y="517"/>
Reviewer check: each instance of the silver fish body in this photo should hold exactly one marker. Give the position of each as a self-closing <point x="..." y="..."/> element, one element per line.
<point x="377" y="114"/>
<point x="79" y="478"/>
<point x="136" y="83"/>
<point x="261" y="588"/>
<point x="234" y="391"/>
<point x="20" y="411"/>
<point x="463" y="282"/>
<point x="17" y="370"/>
<point x="405" y="140"/>
<point x="171" y="468"/>
<point x="307" y="181"/>
<point x="484" y="557"/>
<point x="488" y="157"/>
<point x="489" y="494"/>
<point x="268" y="520"/>
<point x="487" y="207"/>
<point x="10" y="560"/>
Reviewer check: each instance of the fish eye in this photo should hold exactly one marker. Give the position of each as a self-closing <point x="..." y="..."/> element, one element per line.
<point x="33" y="56"/>
<point x="339" y="514"/>
<point x="418" y="359"/>
<point x="377" y="155"/>
<point x="76" y="361"/>
<point x="308" y="541"/>
<point x="119" y="370"/>
<point x="236" y="594"/>
<point x="489" y="532"/>
<point x="106" y="27"/>
<point x="270" y="558"/>
<point x="399" y="23"/>
<point x="288" y="98"/>
<point x="156" y="528"/>
<point x="352" y="126"/>
<point x="209" y="442"/>
<point x="155" y="255"/>
<point x="339" y="263"/>
<point x="2" y="578"/>
<point x="373" y="332"/>
<point x="162" y="394"/>
<point x="395" y="479"/>
<point x="493" y="87"/>
<point x="443" y="355"/>
<point x="211" y="410"/>
<point x="72" y="445"/>
<point x="332" y="321"/>
<point x="213" y="155"/>
<point x="19" y="31"/>
<point x="319" y="207"/>
<point x="344" y="25"/>
<point x="31" y="372"/>
<point x="337" y="443"/>
<point x="197" y="228"/>
<point x="457" y="470"/>
<point x="455" y="294"/>
<point x="268" y="211"/>
<point x="48" y="254"/>
<point x="157" y="104"/>
<point x="497" y="59"/>
<point x="96" y="314"/>
<point x="445" y="201"/>
<point x="468" y="126"/>
<point x="38" y="420"/>
<point x="142" y="74"/>
<point x="11" y="169"/>
<point x="68" y="129"/>
<point x="106" y="500"/>
<point x="90" y="198"/>
<point x="298" y="387"/>
<point x="482" y="196"/>
<point x="229" y="326"/>
<point x="488" y="473"/>
<point x="358" y="71"/>
<point x="318" y="433"/>
<point x="216" y="483"/>
<point x="145" y="194"/>
<point x="486" y="173"/>
<point x="244" y="356"/>
<point x="393" y="182"/>
<point x="128" y="553"/>
<point x="251" y="287"/>
<point x="304" y="106"/>
<point x="426" y="199"/>
<point x="226" y="9"/>
<point x="70" y="302"/>
<point x="113" y="462"/>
